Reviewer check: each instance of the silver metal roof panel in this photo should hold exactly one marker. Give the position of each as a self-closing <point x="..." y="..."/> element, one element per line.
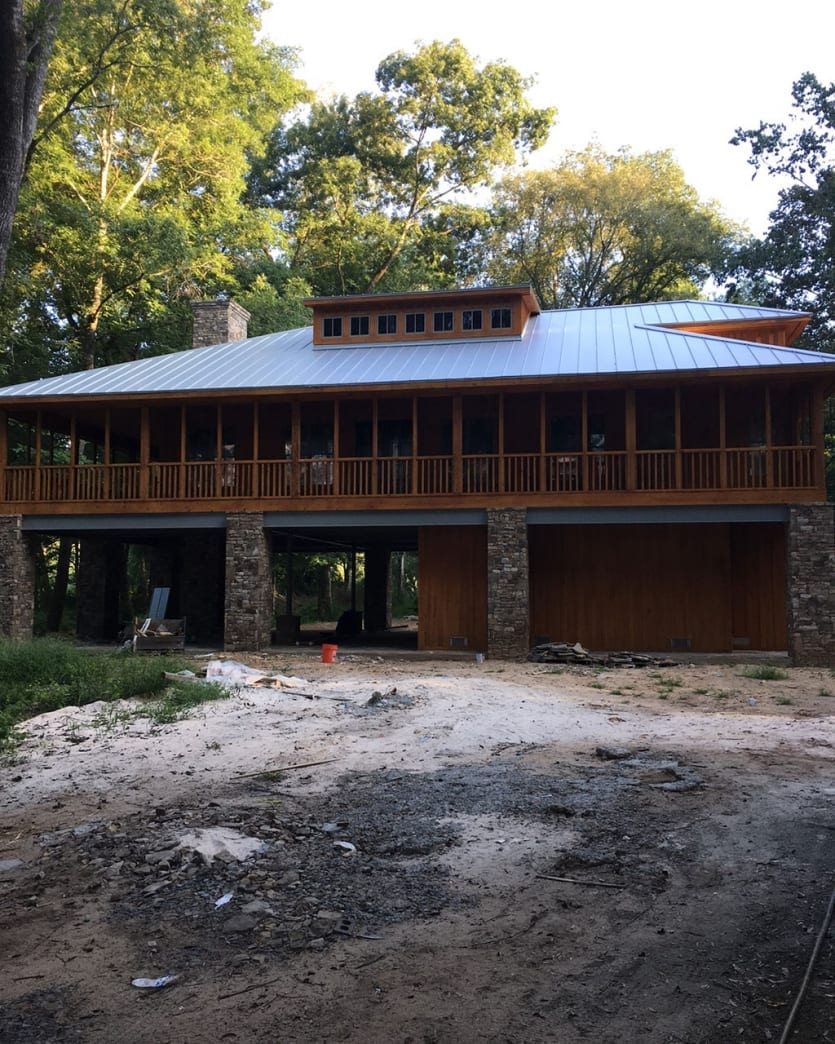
<point x="628" y="339"/>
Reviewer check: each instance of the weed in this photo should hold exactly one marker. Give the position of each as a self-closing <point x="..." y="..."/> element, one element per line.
<point x="765" y="672"/>
<point x="824" y="692"/>
<point x="701" y="692"/>
<point x="596" y="685"/>
<point x="180" y="698"/>
<point x="784" y="701"/>
<point x="721" y="694"/>
<point x="663" y="695"/>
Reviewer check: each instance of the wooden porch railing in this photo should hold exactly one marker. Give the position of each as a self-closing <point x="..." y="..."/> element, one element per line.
<point x="705" y="470"/>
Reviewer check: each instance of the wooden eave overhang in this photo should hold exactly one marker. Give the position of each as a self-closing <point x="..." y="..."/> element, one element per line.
<point x="777" y="330"/>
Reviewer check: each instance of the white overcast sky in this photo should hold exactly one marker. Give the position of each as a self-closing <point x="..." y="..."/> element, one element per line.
<point x="648" y="74"/>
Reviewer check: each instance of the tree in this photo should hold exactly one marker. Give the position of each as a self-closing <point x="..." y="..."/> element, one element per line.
<point x="605" y="229"/>
<point x="793" y="265"/>
<point x="133" y="199"/>
<point x="27" y="36"/>
<point x="365" y="186"/>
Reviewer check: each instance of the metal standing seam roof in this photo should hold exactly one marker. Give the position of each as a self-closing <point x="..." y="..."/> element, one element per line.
<point x="623" y="340"/>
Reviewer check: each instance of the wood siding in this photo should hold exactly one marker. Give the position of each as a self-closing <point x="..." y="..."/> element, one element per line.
<point x="642" y="587"/>
<point x="452" y="565"/>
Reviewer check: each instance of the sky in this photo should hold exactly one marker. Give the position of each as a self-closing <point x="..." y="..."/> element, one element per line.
<point x="649" y="74"/>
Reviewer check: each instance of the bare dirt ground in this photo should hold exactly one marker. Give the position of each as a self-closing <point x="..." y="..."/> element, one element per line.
<point x="455" y="860"/>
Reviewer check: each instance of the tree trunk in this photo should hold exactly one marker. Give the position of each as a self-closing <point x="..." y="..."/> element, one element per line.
<point x="25" y="49"/>
<point x="58" y="596"/>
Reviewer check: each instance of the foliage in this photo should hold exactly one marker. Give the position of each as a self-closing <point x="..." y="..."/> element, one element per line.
<point x="793" y="265"/>
<point x="180" y="698"/>
<point x="369" y="189"/>
<point x="604" y="229"/>
<point x="27" y="36"/>
<point x="133" y="200"/>
<point x="765" y="672"/>
<point x="47" y="674"/>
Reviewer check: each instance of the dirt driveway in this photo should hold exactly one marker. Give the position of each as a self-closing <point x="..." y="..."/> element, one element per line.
<point x="427" y="852"/>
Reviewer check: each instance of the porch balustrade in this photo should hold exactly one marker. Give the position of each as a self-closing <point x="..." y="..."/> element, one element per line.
<point x="479" y="475"/>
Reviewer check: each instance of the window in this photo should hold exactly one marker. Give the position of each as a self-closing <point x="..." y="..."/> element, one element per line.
<point x="471" y="319"/>
<point x="386" y="324"/>
<point x="415" y="322"/>
<point x="359" y="325"/>
<point x="501" y="318"/>
<point x="332" y="326"/>
<point x="442" y="322"/>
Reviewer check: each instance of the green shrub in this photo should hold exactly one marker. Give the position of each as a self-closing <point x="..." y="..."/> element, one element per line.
<point x="765" y="672"/>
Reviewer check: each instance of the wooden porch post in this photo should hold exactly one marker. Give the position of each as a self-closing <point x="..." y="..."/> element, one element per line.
<point x="541" y="485"/>
<point x="769" y="462"/>
<point x="414" y="484"/>
<point x="181" y="470"/>
<point x="107" y="476"/>
<point x="38" y="454"/>
<point x="723" y="454"/>
<point x="679" y="471"/>
<point x="336" y="451"/>
<point x="144" y="452"/>
<point x="500" y="447"/>
<point x="457" y="447"/>
<point x="375" y="448"/>
<point x="73" y="456"/>
<point x="256" y="449"/>
<point x="296" y="441"/>
<point x="584" y="439"/>
<point x="818" y="441"/>
<point x="631" y="441"/>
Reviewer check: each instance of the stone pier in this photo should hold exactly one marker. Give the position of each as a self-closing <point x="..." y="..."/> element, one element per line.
<point x="810" y="577"/>
<point x="508" y="621"/>
<point x="17" y="579"/>
<point x="249" y="602"/>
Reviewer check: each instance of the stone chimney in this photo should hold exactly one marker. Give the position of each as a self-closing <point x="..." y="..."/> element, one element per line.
<point x="216" y="322"/>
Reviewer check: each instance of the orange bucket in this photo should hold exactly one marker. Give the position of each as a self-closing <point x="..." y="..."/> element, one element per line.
<point x="329" y="653"/>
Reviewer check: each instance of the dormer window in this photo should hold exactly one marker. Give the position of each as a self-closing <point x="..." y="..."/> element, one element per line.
<point x="387" y="324"/>
<point x="332" y="326"/>
<point x="415" y="322"/>
<point x="501" y="318"/>
<point x="442" y="322"/>
<point x="359" y="326"/>
<point x="471" y="319"/>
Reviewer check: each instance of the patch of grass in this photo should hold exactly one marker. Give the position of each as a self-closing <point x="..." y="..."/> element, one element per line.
<point x="721" y="694"/>
<point x="765" y="672"/>
<point x="825" y="692"/>
<point x="663" y="695"/>
<point x="784" y="701"/>
<point x="180" y="698"/>
<point x="596" y="685"/>
<point x="47" y="674"/>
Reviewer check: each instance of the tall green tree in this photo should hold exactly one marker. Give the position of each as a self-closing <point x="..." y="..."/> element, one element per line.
<point x="150" y="113"/>
<point x="371" y="190"/>
<point x="27" y="36"/>
<point x="601" y="229"/>
<point x="793" y="265"/>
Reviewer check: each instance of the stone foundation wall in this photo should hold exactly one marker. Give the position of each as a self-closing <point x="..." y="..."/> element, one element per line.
<point x="508" y="595"/>
<point x="17" y="579"/>
<point x="248" y="615"/>
<point x="811" y="584"/>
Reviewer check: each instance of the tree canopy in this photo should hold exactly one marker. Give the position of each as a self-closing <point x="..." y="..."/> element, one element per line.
<point x="150" y="113"/>
<point x="370" y="189"/>
<point x="793" y="265"/>
<point x="603" y="229"/>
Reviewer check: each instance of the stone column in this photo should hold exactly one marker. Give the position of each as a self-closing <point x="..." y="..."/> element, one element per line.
<point x="100" y="568"/>
<point x="377" y="593"/>
<point x="17" y="579"/>
<point x="810" y="576"/>
<point x="508" y="593"/>
<point x="248" y="603"/>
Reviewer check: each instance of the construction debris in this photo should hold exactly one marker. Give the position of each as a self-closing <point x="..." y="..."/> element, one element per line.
<point x="575" y="654"/>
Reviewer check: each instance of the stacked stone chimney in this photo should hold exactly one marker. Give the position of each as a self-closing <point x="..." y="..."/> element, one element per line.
<point x="216" y="322"/>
